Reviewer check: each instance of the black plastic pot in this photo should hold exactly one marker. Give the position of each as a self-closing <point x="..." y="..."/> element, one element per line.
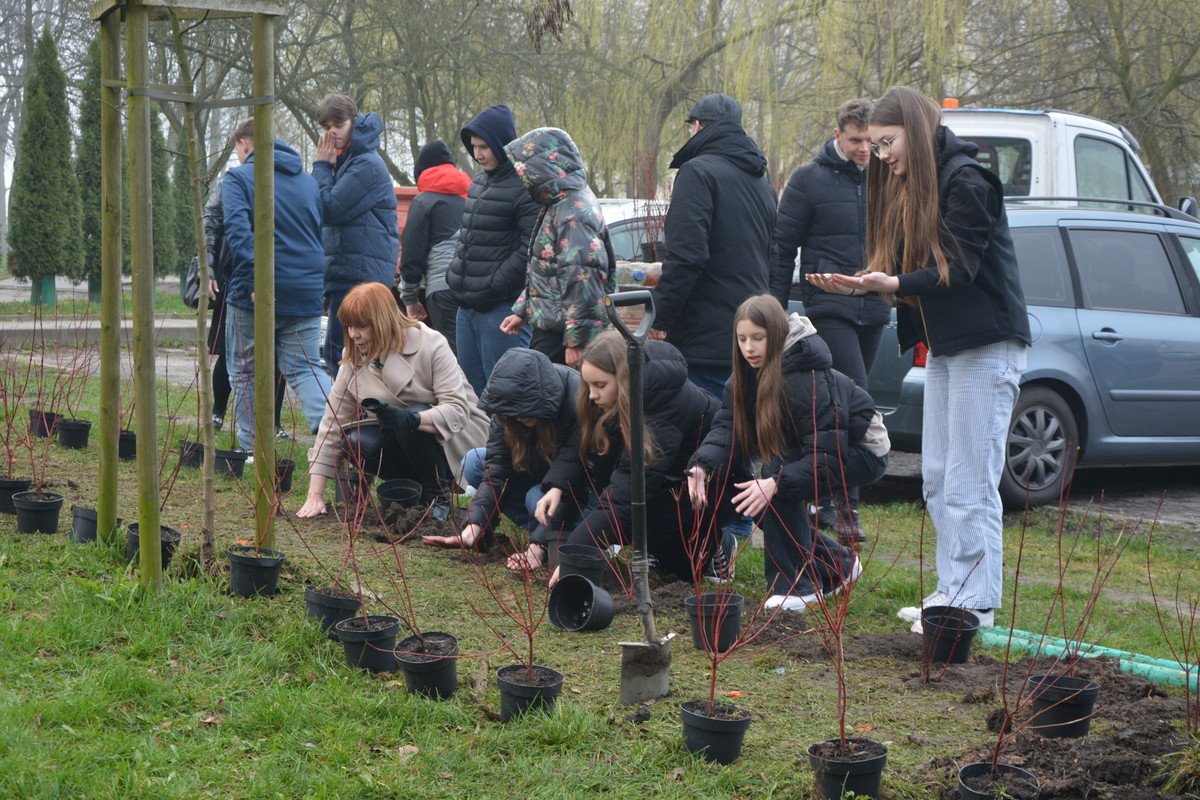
<point x="285" y="468"/>
<point x="231" y="462"/>
<point x="582" y="559"/>
<point x="372" y="647"/>
<point x="191" y="454"/>
<point x="73" y="433"/>
<point x="837" y="774"/>
<point x="400" y="492"/>
<point x="948" y="633"/>
<point x="9" y="487"/>
<point x="168" y="538"/>
<point x="127" y="445"/>
<point x="1019" y="784"/>
<point x="37" y="512"/>
<point x="320" y="603"/>
<point x="716" y="738"/>
<point x="83" y="525"/>
<point x="42" y="423"/>
<point x="518" y="697"/>
<point x="433" y="676"/>
<point x="254" y="572"/>
<point x="577" y="604"/>
<point x="1062" y="705"/>
<point x="715" y="617"/>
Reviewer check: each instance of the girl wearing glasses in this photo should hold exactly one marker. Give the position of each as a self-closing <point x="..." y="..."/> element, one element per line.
<point x="951" y="269"/>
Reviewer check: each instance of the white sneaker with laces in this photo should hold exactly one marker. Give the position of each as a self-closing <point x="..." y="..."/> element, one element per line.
<point x="913" y="613"/>
<point x="986" y="620"/>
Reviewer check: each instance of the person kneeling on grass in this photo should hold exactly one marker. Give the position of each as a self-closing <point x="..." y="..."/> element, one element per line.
<point x="677" y="416"/>
<point x="426" y="417"/>
<point x="530" y="469"/>
<point x="814" y="431"/>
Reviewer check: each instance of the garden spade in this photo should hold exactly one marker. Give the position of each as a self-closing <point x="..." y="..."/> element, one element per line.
<point x="645" y="666"/>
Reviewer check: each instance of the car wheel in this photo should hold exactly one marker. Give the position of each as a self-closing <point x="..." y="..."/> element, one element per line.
<point x="1040" y="452"/>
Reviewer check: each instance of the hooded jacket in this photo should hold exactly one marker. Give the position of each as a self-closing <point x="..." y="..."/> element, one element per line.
<point x="678" y="416"/>
<point x="984" y="302"/>
<point x="488" y="268"/>
<point x="298" y="273"/>
<point x="433" y="219"/>
<point x="362" y="241"/>
<point x="525" y="384"/>
<point x="718" y="232"/>
<point x="823" y="213"/>
<point x="569" y="273"/>
<point x="825" y="414"/>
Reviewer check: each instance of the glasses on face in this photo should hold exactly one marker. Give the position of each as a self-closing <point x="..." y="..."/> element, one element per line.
<point x="884" y="146"/>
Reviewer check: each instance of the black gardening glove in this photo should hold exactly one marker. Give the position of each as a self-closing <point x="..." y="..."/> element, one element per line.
<point x="392" y="418"/>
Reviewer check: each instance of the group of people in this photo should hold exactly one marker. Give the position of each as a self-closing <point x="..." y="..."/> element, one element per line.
<point x="518" y="387"/>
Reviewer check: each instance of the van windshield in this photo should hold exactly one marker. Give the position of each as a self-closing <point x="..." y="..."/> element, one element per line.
<point x="1009" y="158"/>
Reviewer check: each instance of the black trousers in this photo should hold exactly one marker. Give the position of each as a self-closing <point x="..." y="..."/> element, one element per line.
<point x="443" y="316"/>
<point x="387" y="455"/>
<point x="551" y="344"/>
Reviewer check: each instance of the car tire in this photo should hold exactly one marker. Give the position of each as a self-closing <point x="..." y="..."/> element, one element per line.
<point x="1040" y="453"/>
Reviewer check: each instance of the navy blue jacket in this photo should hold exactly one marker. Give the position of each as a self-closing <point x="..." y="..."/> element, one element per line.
<point x="298" y="271"/>
<point x="362" y="240"/>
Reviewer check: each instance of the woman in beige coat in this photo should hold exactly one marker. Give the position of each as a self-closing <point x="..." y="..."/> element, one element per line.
<point x="423" y="418"/>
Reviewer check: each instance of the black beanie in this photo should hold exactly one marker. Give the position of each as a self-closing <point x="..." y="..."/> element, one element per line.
<point x="431" y="155"/>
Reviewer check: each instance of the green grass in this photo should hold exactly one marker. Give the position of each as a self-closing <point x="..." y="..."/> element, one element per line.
<point x="166" y="301"/>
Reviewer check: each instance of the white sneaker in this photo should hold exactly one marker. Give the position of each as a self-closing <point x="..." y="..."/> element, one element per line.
<point x="775" y="601"/>
<point x="791" y="602"/>
<point x="913" y="613"/>
<point x="855" y="571"/>
<point x="986" y="620"/>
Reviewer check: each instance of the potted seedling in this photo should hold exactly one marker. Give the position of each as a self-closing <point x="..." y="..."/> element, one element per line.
<point x="14" y="384"/>
<point x="72" y="430"/>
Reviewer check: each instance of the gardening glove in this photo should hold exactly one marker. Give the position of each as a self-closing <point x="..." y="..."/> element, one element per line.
<point x="392" y="418"/>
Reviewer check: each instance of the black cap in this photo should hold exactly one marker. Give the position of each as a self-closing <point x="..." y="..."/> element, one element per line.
<point x="716" y="107"/>
<point x="431" y="155"/>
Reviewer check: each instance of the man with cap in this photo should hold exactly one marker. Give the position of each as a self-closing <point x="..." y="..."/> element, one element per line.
<point x="718" y="232"/>
<point x="430" y="237"/>
<point x="487" y="272"/>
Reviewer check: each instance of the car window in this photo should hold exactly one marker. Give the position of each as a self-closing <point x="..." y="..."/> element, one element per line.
<point x="1009" y="158"/>
<point x="1191" y="246"/>
<point x="625" y="240"/>
<point x="1138" y="189"/>
<point x="631" y="239"/>
<point x="1043" y="265"/>
<point x="1125" y="271"/>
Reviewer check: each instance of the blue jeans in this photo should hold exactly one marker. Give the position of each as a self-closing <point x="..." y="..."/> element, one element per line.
<point x="295" y="358"/>
<point x="710" y="379"/>
<point x="969" y="398"/>
<point x="472" y="472"/>
<point x="481" y="342"/>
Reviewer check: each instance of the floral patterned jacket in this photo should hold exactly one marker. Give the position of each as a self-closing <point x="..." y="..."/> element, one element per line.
<point x="570" y="270"/>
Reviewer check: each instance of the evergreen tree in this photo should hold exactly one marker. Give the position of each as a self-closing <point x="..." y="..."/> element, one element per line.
<point x="87" y="165"/>
<point x="166" y="250"/>
<point x="44" y="230"/>
<point x="185" y="226"/>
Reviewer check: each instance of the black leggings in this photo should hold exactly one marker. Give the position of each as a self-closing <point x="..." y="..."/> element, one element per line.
<point x="388" y="455"/>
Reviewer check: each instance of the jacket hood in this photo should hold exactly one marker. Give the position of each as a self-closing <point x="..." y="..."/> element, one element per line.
<point x="948" y="145"/>
<point x="830" y="157"/>
<point x="432" y="154"/>
<point x="524" y="383"/>
<point x="548" y="163"/>
<point x="724" y="138"/>
<point x="803" y="349"/>
<point x="364" y="136"/>
<point x="664" y="374"/>
<point x="287" y="160"/>
<point x="495" y="125"/>
<point x="444" y="179"/>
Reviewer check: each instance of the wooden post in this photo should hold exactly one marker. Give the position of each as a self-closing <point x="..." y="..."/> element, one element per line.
<point x="141" y="239"/>
<point x="110" y="274"/>
<point x="264" y="280"/>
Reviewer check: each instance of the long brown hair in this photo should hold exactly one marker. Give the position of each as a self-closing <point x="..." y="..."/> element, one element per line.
<point x="607" y="353"/>
<point x="372" y="305"/>
<point x="521" y="438"/>
<point x="903" y="217"/>
<point x="761" y="435"/>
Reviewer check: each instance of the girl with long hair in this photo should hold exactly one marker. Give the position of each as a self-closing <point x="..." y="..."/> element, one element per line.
<point x="678" y="415"/>
<point x="951" y="269"/>
<point x="530" y="470"/>
<point x="814" y="432"/>
<point x="400" y="406"/>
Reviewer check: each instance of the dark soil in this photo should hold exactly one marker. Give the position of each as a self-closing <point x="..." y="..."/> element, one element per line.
<point x="360" y="624"/>
<point x="1014" y="786"/>
<point x="334" y="591"/>
<point x="724" y="711"/>
<point x="437" y="646"/>
<point x="643" y="662"/>
<point x="542" y="676"/>
<point x="855" y="750"/>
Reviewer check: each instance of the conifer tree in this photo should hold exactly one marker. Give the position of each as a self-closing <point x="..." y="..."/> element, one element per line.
<point x="87" y="164"/>
<point x="185" y="231"/>
<point x="166" y="250"/>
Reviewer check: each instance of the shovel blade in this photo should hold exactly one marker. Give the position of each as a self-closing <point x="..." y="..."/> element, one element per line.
<point x="645" y="671"/>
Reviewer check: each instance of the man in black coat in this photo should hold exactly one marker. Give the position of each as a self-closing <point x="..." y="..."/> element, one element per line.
<point x="718" y="231"/>
<point x="823" y="213"/>
<point x="487" y="272"/>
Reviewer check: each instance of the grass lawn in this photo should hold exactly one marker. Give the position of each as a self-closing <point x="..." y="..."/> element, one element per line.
<point x="106" y="693"/>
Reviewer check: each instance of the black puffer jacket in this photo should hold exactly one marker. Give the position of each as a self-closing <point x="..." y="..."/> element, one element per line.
<point x="488" y="268"/>
<point x="525" y="384"/>
<point x="842" y="414"/>
<point x="718" y="231"/>
<point x="678" y="417"/>
<point x="984" y="302"/>
<point x="823" y="213"/>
